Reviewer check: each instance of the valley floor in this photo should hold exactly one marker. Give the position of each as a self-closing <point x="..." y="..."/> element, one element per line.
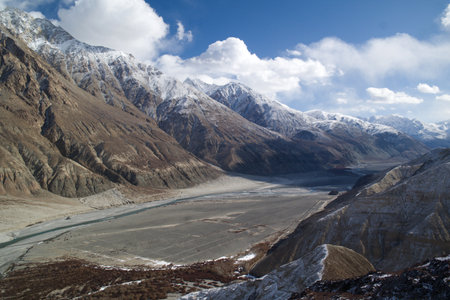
<point x="226" y="217"/>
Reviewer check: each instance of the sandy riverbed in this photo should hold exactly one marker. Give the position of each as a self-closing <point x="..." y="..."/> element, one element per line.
<point x="19" y="212"/>
<point x="217" y="218"/>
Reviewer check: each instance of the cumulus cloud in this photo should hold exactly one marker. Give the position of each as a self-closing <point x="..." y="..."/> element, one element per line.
<point x="182" y="35"/>
<point x="342" y="100"/>
<point x="293" y="52"/>
<point x="400" y="54"/>
<point x="230" y="59"/>
<point x="386" y="96"/>
<point x="128" y="25"/>
<point x="444" y="97"/>
<point x="37" y="14"/>
<point x="445" y="19"/>
<point x="427" y="89"/>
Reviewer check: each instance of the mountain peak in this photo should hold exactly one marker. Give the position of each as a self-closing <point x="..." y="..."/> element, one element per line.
<point x="30" y="28"/>
<point x="200" y="85"/>
<point x="434" y="135"/>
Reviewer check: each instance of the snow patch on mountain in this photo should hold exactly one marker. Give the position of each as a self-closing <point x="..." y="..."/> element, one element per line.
<point x="413" y="127"/>
<point x="51" y="41"/>
<point x="278" y="116"/>
<point x="331" y="121"/>
<point x="432" y="134"/>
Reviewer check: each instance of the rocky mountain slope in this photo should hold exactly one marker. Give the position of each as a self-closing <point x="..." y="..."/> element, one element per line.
<point x="425" y="281"/>
<point x="354" y="138"/>
<point x="58" y="137"/>
<point x="327" y="262"/>
<point x="396" y="218"/>
<point x="201" y="125"/>
<point x="431" y="134"/>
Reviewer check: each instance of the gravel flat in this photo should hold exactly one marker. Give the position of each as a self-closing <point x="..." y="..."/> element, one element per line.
<point x="200" y="228"/>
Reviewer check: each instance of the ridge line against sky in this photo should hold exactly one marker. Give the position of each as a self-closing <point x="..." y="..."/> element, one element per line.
<point x="360" y="58"/>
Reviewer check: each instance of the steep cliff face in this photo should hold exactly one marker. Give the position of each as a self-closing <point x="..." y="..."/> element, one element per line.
<point x="58" y="137"/>
<point x="399" y="218"/>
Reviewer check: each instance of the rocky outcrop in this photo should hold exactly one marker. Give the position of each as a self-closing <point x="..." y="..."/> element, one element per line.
<point x="324" y="262"/>
<point x="395" y="219"/>
<point x="426" y="281"/>
<point x="57" y="137"/>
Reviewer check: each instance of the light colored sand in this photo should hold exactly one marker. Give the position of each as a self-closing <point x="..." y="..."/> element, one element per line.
<point x="230" y="205"/>
<point x="225" y="184"/>
<point x="18" y="212"/>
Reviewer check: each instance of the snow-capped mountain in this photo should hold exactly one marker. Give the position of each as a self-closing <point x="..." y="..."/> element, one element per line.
<point x="334" y="121"/>
<point x="432" y="134"/>
<point x="56" y="137"/>
<point x="279" y="117"/>
<point x="201" y="125"/>
<point x="356" y="138"/>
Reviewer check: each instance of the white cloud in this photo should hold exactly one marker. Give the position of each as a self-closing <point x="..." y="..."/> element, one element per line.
<point x="445" y="19"/>
<point x="427" y="89"/>
<point x="293" y="52"/>
<point x="182" y="35"/>
<point x="444" y="97"/>
<point x="342" y="100"/>
<point x="378" y="58"/>
<point x="386" y="96"/>
<point x="37" y="14"/>
<point x="128" y="25"/>
<point x="230" y="59"/>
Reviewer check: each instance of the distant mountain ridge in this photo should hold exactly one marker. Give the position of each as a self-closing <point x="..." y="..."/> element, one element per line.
<point x="432" y="134"/>
<point x="354" y="138"/>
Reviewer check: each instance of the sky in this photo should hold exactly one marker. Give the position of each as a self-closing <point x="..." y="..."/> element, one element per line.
<point x="358" y="57"/>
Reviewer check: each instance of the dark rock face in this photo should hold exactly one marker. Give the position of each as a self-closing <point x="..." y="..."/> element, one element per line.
<point x="395" y="219"/>
<point x="57" y="137"/>
<point x="428" y="281"/>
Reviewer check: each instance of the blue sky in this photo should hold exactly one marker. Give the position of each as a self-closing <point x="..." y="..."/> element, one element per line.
<point x="359" y="57"/>
<point x="268" y="28"/>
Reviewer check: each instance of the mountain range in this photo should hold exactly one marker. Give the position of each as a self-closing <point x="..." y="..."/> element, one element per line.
<point x="231" y="127"/>
<point x="431" y="134"/>
<point x="77" y="120"/>
<point x="357" y="137"/>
